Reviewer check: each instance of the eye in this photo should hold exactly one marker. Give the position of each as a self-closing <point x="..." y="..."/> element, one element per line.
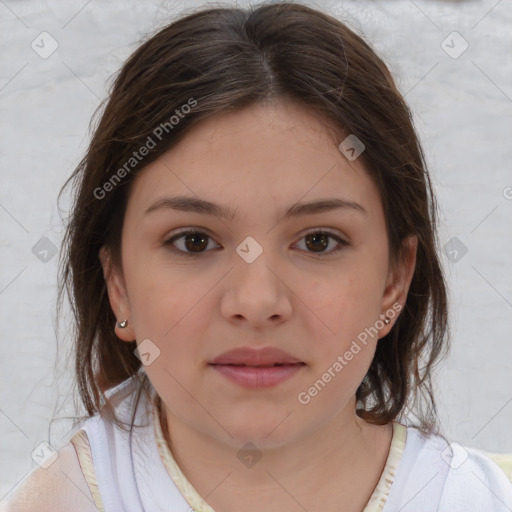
<point x="196" y="242"/>
<point x="319" y="240"/>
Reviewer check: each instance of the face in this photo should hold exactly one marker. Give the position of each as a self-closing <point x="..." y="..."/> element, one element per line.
<point x="308" y="283"/>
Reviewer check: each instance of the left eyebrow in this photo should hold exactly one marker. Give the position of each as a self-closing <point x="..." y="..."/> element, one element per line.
<point x="196" y="205"/>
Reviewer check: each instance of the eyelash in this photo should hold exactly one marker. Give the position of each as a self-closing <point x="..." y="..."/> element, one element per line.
<point x="168" y="243"/>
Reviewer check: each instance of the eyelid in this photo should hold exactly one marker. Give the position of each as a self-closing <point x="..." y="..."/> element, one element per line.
<point x="316" y="229"/>
<point x="329" y="231"/>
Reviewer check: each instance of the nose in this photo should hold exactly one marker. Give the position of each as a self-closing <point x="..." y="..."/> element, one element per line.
<point x="257" y="288"/>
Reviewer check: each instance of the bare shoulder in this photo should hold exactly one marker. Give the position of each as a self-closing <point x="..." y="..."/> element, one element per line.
<point x="60" y="487"/>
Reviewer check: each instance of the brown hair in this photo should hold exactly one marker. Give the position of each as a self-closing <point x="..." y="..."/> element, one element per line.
<point x="224" y="59"/>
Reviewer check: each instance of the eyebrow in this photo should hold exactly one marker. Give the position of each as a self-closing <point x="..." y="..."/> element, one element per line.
<point x="196" y="205"/>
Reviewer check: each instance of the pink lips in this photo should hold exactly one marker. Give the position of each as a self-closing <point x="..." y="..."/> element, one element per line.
<point x="257" y="368"/>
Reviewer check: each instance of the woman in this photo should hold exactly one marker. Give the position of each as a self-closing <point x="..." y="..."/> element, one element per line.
<point x="259" y="300"/>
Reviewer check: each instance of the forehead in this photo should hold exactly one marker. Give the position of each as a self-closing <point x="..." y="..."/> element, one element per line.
<point x="267" y="156"/>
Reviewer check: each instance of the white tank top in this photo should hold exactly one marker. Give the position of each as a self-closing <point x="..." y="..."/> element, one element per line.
<point x="128" y="469"/>
<point x="137" y="473"/>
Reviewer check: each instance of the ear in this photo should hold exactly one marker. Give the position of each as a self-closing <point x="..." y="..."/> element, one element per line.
<point x="117" y="295"/>
<point x="398" y="283"/>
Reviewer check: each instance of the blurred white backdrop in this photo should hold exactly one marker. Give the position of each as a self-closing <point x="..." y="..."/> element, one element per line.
<point x="452" y="61"/>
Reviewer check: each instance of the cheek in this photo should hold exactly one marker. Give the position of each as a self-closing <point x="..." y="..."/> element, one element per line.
<point x="167" y="308"/>
<point x="344" y="345"/>
<point x="342" y="306"/>
<point x="159" y="294"/>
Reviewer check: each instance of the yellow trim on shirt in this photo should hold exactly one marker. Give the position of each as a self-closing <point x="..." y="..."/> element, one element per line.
<point x="375" y="503"/>
<point x="380" y="494"/>
<point x="185" y="487"/>
<point x="503" y="460"/>
<point x="83" y="451"/>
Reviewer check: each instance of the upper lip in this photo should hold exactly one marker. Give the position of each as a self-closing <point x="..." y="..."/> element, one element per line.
<point x="248" y="356"/>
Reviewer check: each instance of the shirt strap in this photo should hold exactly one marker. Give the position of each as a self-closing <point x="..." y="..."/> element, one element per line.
<point x="83" y="450"/>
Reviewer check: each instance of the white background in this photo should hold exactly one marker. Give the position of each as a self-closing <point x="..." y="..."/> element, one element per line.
<point x="463" y="111"/>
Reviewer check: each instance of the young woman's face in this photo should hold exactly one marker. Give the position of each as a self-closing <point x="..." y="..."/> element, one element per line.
<point x="308" y="284"/>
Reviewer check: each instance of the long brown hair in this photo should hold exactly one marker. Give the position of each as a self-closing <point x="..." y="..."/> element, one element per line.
<point x="223" y="59"/>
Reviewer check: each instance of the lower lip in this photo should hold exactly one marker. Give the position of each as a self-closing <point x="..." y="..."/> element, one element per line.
<point x="258" y="377"/>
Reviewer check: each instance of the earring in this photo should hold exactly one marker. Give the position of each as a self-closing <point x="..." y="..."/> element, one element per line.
<point x="387" y="321"/>
<point x="123" y="324"/>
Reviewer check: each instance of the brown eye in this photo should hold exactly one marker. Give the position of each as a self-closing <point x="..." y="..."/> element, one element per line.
<point x="191" y="243"/>
<point x="318" y="241"/>
<point x="196" y="242"/>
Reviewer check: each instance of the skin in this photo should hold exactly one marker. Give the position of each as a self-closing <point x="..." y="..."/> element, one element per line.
<point x="308" y="301"/>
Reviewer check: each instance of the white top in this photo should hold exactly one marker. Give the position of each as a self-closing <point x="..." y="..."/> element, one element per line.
<point x="137" y="472"/>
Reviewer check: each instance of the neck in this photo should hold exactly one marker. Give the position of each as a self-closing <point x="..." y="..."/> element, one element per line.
<point x="347" y="447"/>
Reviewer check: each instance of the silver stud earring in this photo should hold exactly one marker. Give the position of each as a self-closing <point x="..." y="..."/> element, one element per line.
<point x="123" y="324"/>
<point x="387" y="321"/>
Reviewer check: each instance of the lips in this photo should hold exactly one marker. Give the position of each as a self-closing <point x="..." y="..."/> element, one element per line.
<point x="264" y="357"/>
<point x="257" y="368"/>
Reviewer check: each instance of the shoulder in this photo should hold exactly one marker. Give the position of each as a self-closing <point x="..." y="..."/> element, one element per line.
<point x="69" y="482"/>
<point x="59" y="487"/>
<point x="464" y="478"/>
<point x="475" y="481"/>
